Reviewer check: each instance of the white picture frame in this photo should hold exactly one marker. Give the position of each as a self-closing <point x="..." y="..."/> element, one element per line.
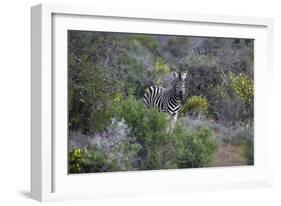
<point x="49" y="178"/>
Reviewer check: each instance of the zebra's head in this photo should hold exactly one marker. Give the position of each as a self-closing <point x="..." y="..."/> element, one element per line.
<point x="179" y="84"/>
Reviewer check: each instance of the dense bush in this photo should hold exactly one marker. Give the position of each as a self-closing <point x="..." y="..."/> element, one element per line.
<point x="118" y="144"/>
<point x="110" y="128"/>
<point x="138" y="140"/>
<point x="114" y="147"/>
<point x="149" y="126"/>
<point x="194" y="147"/>
<point x="85" y="113"/>
<point x="242" y="86"/>
<point x="196" y="85"/>
<point x="195" y="105"/>
<point x="227" y="107"/>
<point x="88" y="161"/>
<point x="89" y="81"/>
<point x="238" y="134"/>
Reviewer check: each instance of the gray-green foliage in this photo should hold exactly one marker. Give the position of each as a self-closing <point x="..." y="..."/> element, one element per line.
<point x="146" y="145"/>
<point x="118" y="144"/>
<point x="149" y="128"/>
<point x="194" y="147"/>
<point x="90" y="160"/>
<point x="102" y="66"/>
<point x="85" y="112"/>
<point x="107" y="76"/>
<point x="90" y="89"/>
<point x="180" y="148"/>
<point x="113" y="147"/>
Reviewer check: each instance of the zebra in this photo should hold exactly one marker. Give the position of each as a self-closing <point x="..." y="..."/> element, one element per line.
<point x="167" y="100"/>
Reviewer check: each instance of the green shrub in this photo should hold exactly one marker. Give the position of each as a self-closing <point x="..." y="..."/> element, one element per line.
<point x="181" y="148"/>
<point x="149" y="128"/>
<point x="148" y="143"/>
<point x="197" y="105"/>
<point x="89" y="99"/>
<point x="105" y="68"/>
<point x="147" y="41"/>
<point x="194" y="147"/>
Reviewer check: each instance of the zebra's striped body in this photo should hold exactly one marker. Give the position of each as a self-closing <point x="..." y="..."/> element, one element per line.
<point x="167" y="100"/>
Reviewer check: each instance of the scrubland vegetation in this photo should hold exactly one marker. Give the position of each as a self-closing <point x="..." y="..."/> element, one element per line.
<point x="110" y="129"/>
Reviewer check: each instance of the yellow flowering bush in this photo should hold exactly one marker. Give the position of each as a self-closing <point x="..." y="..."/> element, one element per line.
<point x="196" y="104"/>
<point x="75" y="157"/>
<point x="242" y="86"/>
<point x="90" y="160"/>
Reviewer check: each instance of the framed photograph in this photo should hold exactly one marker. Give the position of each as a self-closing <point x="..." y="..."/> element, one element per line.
<point x="137" y="102"/>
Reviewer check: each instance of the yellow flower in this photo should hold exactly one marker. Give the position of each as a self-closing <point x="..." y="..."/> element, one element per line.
<point x="242" y="86"/>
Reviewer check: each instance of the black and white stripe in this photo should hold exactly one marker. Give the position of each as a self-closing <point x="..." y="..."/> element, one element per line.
<point x="167" y="100"/>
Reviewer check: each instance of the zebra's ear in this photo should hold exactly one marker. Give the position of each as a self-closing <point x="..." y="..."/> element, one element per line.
<point x="175" y="74"/>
